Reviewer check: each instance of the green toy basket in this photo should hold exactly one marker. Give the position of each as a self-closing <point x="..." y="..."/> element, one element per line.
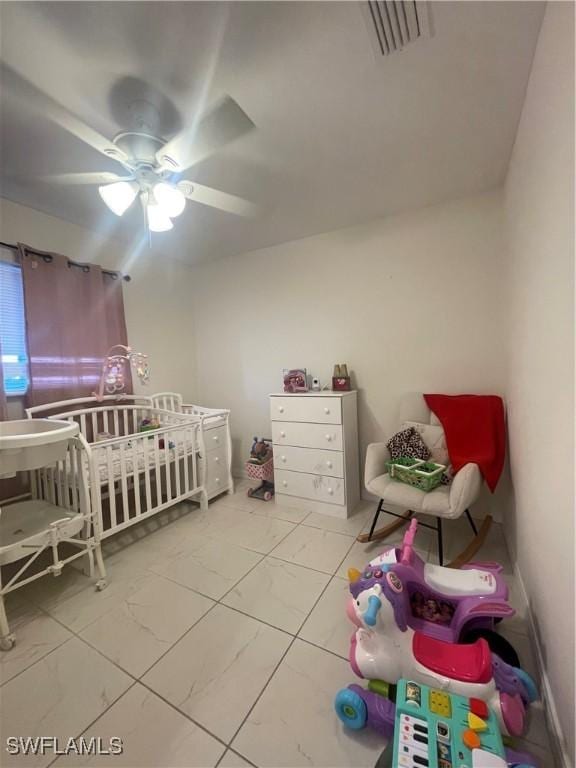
<point x="424" y="475"/>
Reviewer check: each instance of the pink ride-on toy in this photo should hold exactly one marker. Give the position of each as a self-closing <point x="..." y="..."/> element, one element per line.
<point x="456" y="606"/>
<point x="412" y="618"/>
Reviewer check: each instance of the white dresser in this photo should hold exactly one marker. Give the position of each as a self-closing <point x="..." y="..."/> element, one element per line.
<point x="315" y="437"/>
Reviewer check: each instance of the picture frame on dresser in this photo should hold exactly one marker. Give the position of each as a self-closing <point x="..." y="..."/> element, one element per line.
<point x="315" y="443"/>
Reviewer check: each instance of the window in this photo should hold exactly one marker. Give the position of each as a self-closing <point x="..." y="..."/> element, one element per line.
<point x="13" y="330"/>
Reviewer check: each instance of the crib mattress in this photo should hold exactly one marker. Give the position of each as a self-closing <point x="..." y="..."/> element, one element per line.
<point x="135" y="459"/>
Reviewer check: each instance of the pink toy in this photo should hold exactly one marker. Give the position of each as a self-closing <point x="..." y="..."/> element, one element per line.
<point x="385" y="648"/>
<point x="412" y="617"/>
<point x="446" y="603"/>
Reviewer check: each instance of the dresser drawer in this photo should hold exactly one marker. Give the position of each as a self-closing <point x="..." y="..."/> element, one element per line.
<point x="315" y="461"/>
<point x="330" y="490"/>
<point x="216" y="438"/>
<point x="217" y="469"/>
<point x="327" y="436"/>
<point x="318" y="410"/>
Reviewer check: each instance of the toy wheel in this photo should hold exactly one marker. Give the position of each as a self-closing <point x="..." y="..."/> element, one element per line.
<point x="498" y="644"/>
<point x="267" y="496"/>
<point x="7" y="642"/>
<point x="351" y="709"/>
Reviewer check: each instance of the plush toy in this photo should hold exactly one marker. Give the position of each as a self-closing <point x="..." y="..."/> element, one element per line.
<point x="260" y="451"/>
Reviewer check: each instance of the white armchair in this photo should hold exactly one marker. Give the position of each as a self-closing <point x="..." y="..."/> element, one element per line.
<point x="446" y="502"/>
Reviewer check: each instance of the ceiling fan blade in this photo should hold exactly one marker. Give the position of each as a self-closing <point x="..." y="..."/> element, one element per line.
<point x="96" y="177"/>
<point x="41" y="102"/>
<point x="217" y="199"/>
<point x="224" y="123"/>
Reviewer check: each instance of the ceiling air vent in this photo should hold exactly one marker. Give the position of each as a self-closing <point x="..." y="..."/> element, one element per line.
<point x="396" y="23"/>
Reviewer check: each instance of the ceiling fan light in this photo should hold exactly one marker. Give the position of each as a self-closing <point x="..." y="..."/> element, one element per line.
<point x="158" y="221"/>
<point x="169" y="198"/>
<point x="118" y="196"/>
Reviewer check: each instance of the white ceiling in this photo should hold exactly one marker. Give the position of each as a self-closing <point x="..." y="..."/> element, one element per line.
<point x="341" y="138"/>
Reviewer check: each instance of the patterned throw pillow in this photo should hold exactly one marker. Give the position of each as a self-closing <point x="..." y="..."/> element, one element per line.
<point x="408" y="443"/>
<point x="434" y="438"/>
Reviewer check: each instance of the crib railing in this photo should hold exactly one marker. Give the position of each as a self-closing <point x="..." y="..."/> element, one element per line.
<point x="168" y="401"/>
<point x="115" y="420"/>
<point x="135" y="478"/>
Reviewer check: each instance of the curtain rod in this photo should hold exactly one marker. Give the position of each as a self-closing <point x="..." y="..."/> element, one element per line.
<point x="70" y="261"/>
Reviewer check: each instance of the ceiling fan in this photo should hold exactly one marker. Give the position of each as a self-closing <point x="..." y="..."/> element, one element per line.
<point x="152" y="167"/>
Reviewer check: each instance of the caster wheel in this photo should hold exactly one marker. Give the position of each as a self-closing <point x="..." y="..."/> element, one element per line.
<point x="498" y="644"/>
<point x="351" y="709"/>
<point x="100" y="585"/>
<point x="267" y="496"/>
<point x="7" y="642"/>
<point x="249" y="492"/>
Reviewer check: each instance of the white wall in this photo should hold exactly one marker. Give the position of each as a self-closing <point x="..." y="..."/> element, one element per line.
<point x="539" y="208"/>
<point x="157" y="300"/>
<point x="410" y="303"/>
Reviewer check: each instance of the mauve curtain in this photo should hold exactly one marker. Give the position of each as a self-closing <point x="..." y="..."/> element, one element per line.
<point x="74" y="314"/>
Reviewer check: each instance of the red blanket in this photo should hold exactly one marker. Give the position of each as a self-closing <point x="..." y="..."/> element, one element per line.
<point x="475" y="431"/>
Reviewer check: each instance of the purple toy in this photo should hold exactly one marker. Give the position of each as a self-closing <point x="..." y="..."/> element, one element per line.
<point x="445" y="603"/>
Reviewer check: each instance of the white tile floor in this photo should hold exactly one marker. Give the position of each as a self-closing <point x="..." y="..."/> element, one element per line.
<point x="220" y="640"/>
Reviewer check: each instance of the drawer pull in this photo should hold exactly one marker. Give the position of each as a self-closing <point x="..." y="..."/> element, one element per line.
<point x="283" y="458"/>
<point x="281" y="408"/>
<point x="329" y="438"/>
<point x="282" y="434"/>
<point x="217" y="480"/>
<point x="330" y="491"/>
<point x="216" y="459"/>
<point x="216" y="439"/>
<point x="285" y="483"/>
<point x="326" y="411"/>
<point x="329" y="464"/>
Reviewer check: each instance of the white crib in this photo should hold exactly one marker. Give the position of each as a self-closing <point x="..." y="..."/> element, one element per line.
<point x="131" y="474"/>
<point x="217" y="440"/>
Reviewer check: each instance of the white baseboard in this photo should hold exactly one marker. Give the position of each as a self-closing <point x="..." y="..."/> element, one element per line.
<point x="558" y="743"/>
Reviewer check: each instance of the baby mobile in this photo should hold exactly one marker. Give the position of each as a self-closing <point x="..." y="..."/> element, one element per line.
<point x="115" y="367"/>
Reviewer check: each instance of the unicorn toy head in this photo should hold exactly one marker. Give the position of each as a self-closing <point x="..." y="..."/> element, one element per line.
<point x="382" y="606"/>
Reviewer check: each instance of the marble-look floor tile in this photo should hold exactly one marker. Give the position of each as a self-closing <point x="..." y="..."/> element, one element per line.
<point x="256" y="532"/>
<point x="49" y="591"/>
<point x="351" y="526"/>
<point x="217" y="670"/>
<point x="328" y="625"/>
<point x="36" y="633"/>
<point x="154" y="735"/>
<point x="59" y="696"/>
<point x="314" y="548"/>
<point x="238" y="500"/>
<point x="294" y="722"/>
<point x="84" y="607"/>
<point x="233" y="760"/>
<point x="279" y="593"/>
<point x="537" y="731"/>
<point x="211" y="566"/>
<point x="279" y="511"/>
<point x="146" y="624"/>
